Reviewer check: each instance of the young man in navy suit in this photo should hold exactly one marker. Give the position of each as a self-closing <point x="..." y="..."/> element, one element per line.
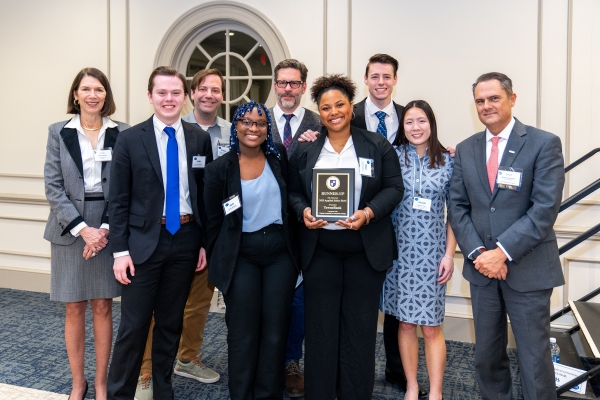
<point x="156" y="234"/>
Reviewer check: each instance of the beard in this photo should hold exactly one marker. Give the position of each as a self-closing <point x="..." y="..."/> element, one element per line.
<point x="288" y="105"/>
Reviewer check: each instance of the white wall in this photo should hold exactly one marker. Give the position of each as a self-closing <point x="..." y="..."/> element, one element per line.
<point x="550" y="48"/>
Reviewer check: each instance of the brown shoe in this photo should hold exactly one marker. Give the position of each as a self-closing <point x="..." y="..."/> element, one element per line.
<point x="294" y="381"/>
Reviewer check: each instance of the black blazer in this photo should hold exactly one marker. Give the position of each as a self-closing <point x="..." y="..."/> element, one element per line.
<point x="381" y="193"/>
<point x="358" y="119"/>
<point x="224" y="232"/>
<point x="137" y="192"/>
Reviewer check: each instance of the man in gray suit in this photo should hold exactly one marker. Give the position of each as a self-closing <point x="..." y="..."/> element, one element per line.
<point x="289" y="121"/>
<point x="504" y="199"/>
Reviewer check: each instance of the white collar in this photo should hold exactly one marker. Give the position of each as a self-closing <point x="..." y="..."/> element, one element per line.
<point x="75" y="123"/>
<point x="278" y="112"/>
<point x="505" y="132"/>
<point x="158" y="124"/>
<point x="372" y="108"/>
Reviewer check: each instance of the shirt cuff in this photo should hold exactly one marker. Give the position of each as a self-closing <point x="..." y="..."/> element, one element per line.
<point x="75" y="231"/>
<point x="471" y="253"/>
<point x="504" y="250"/>
<point x="121" y="253"/>
<point x="104" y="226"/>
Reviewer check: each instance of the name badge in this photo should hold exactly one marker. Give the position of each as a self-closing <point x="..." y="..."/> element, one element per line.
<point x="366" y="166"/>
<point x="103" y="155"/>
<point x="198" y="161"/>
<point x="421" y="203"/>
<point x="231" y="204"/>
<point x="509" y="178"/>
<point x="222" y="149"/>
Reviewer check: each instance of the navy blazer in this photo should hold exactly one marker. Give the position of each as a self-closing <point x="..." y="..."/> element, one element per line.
<point x="224" y="232"/>
<point x="137" y="192"/>
<point x="382" y="193"/>
<point x="359" y="120"/>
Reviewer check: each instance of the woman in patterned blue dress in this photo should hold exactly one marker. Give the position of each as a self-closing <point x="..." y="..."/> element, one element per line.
<point x="415" y="288"/>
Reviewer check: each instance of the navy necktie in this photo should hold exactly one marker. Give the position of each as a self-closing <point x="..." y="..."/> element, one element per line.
<point x="287" y="130"/>
<point x="381" y="128"/>
<point x="173" y="222"/>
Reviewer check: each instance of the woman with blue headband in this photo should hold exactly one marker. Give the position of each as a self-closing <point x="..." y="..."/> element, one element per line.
<point x="250" y="252"/>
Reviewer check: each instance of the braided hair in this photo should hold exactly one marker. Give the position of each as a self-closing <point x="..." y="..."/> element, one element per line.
<point x="268" y="145"/>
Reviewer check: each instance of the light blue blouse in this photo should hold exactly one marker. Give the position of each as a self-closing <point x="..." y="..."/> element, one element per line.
<point x="261" y="201"/>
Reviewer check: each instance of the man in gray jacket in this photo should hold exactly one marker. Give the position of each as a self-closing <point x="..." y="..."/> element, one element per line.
<point x="505" y="195"/>
<point x="290" y="120"/>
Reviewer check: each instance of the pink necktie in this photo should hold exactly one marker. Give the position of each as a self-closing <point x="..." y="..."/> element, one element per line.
<point x="492" y="164"/>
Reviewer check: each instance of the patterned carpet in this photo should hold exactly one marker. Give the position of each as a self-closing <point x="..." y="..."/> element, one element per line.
<point x="33" y="355"/>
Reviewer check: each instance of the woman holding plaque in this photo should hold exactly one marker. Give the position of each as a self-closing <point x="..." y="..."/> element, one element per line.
<point x="250" y="253"/>
<point x="344" y="261"/>
<point x="415" y="288"/>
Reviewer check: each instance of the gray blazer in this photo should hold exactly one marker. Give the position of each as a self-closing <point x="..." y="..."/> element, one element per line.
<point x="521" y="221"/>
<point x="63" y="179"/>
<point x="311" y="121"/>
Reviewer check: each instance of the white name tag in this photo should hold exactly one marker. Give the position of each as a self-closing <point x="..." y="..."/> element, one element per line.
<point x="366" y="166"/>
<point x="564" y="373"/>
<point x="509" y="178"/>
<point x="103" y="155"/>
<point x="231" y="204"/>
<point x="198" y="161"/>
<point x="421" y="203"/>
<point x="222" y="149"/>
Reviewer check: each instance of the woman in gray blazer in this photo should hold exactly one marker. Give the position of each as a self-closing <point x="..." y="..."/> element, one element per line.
<point x="76" y="174"/>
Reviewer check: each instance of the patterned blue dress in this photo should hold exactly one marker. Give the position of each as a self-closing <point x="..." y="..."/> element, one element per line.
<point x="411" y="291"/>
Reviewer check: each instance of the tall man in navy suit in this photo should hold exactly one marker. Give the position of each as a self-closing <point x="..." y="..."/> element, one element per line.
<point x="505" y="195"/>
<point x="156" y="234"/>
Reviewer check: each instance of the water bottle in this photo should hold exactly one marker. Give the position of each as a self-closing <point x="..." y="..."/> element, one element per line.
<point x="554" y="350"/>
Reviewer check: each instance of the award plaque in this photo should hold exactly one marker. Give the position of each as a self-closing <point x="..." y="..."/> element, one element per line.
<point x="333" y="193"/>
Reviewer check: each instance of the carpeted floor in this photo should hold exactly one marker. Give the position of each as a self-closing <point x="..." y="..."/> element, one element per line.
<point x="33" y="355"/>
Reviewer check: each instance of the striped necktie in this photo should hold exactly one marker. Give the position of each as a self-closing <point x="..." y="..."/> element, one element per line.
<point x="287" y="131"/>
<point x="381" y="128"/>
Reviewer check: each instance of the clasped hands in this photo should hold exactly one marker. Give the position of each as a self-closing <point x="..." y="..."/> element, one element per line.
<point x="492" y="264"/>
<point x="95" y="240"/>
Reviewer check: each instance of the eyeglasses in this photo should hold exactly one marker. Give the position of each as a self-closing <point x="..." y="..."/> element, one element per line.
<point x="293" y="84"/>
<point x="248" y="123"/>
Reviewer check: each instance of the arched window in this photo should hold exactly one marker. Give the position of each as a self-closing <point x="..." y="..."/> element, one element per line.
<point x="245" y="46"/>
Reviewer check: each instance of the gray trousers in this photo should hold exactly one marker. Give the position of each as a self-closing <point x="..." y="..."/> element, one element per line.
<point x="529" y="314"/>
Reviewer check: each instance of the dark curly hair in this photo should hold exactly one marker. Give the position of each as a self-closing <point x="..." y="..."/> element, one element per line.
<point x="268" y="145"/>
<point x="336" y="81"/>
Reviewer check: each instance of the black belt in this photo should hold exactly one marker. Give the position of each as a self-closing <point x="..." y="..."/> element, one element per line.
<point x="94" y="198"/>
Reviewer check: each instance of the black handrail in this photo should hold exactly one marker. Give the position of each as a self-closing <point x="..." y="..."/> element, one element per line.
<point x="567" y="308"/>
<point x="585" y="235"/>
<point x="580" y="160"/>
<point x="576" y="381"/>
<point x="586" y="191"/>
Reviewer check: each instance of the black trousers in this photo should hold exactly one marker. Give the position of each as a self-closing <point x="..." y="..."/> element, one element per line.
<point x="160" y="286"/>
<point x="390" y="341"/>
<point x="259" y="303"/>
<point x="341" y="299"/>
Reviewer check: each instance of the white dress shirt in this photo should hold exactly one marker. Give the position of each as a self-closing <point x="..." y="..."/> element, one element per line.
<point x="185" y="205"/>
<point x="329" y="158"/>
<point x="503" y="135"/>
<point x="294" y="122"/>
<point x="391" y="118"/>
<point x="92" y="170"/>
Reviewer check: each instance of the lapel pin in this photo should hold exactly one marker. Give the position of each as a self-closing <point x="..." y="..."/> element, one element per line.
<point x="511" y="151"/>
